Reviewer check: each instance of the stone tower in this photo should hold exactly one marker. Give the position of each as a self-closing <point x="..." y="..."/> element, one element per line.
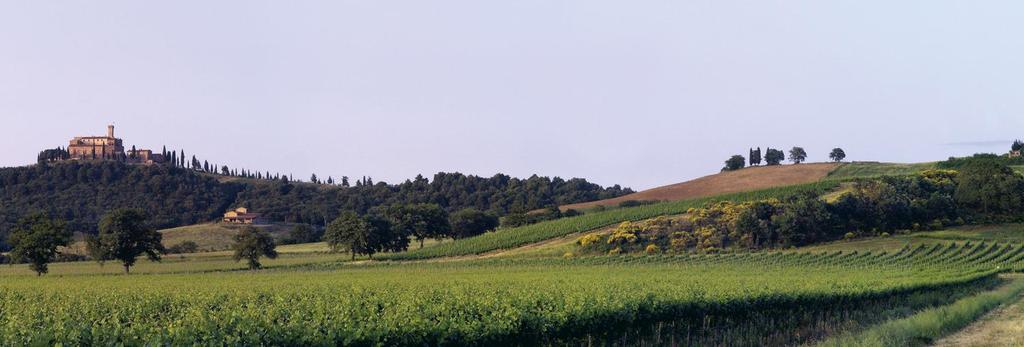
<point x="110" y="131"/>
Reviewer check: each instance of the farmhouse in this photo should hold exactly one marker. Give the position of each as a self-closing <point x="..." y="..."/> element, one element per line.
<point x="1015" y="154"/>
<point x="242" y="215"/>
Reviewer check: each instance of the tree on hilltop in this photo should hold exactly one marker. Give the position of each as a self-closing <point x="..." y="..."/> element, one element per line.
<point x="797" y="155"/>
<point x="1017" y="145"/>
<point x="755" y="156"/>
<point x="837" y="155"/>
<point x="774" y="157"/>
<point x="35" y="240"/>
<point x="252" y="244"/>
<point x="734" y="163"/>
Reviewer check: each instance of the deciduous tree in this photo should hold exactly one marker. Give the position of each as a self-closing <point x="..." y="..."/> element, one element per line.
<point x="797" y="155"/>
<point x="349" y="232"/>
<point x="252" y="244"/>
<point x="774" y="156"/>
<point x="422" y="221"/>
<point x="124" y="236"/>
<point x="988" y="187"/>
<point x="35" y="240"/>
<point x="734" y="163"/>
<point x="837" y="155"/>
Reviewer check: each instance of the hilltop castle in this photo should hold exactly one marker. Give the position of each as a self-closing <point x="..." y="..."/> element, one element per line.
<point x="96" y="147"/>
<point x="101" y="148"/>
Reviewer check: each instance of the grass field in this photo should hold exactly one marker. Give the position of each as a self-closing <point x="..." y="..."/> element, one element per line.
<point x="875" y="169"/>
<point x="1004" y="327"/>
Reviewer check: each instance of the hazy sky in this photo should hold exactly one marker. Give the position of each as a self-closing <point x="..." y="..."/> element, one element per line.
<point x="640" y="93"/>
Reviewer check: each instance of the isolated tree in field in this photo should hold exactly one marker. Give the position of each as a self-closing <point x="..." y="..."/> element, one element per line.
<point x="774" y="156"/>
<point x="252" y="244"/>
<point x="471" y="222"/>
<point x="837" y="155"/>
<point x="348" y="232"/>
<point x="35" y="239"/>
<point x="734" y="163"/>
<point x="421" y="221"/>
<point x="988" y="187"/>
<point x="124" y="236"/>
<point x="797" y="155"/>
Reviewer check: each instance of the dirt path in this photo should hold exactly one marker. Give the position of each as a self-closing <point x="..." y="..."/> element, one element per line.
<point x="1001" y="327"/>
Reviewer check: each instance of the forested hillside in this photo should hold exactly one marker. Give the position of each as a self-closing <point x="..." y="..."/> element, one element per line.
<point x="80" y="193"/>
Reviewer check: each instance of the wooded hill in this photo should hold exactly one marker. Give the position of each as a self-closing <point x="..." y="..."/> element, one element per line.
<point x="81" y="192"/>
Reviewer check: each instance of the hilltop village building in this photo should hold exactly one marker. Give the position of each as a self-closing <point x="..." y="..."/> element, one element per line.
<point x="96" y="147"/>
<point x="109" y="148"/>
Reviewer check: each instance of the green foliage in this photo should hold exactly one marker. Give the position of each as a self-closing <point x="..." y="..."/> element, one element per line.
<point x="875" y="169"/>
<point x="925" y="327"/>
<point x="514" y="237"/>
<point x="422" y="221"/>
<point x="734" y="163"/>
<point x="349" y="232"/>
<point x="797" y="155"/>
<point x="302" y="233"/>
<point x="867" y="207"/>
<point x="500" y="194"/>
<point x="252" y="244"/>
<point x="124" y="236"/>
<point x="987" y="187"/>
<point x="174" y="196"/>
<point x="635" y="203"/>
<point x="958" y="163"/>
<point x="518" y="219"/>
<point x="472" y="222"/>
<point x="837" y="155"/>
<point x="774" y="156"/>
<point x="1017" y="145"/>
<point x="170" y="196"/>
<point x="486" y="302"/>
<point x="35" y="240"/>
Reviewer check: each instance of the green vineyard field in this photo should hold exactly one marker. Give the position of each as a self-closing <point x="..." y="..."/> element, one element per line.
<point x="473" y="302"/>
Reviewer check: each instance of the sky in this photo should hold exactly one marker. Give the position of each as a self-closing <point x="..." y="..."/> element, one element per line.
<point x="638" y="93"/>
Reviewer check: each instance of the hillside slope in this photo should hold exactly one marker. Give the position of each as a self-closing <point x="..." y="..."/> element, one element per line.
<point x="748" y="179"/>
<point x="81" y="192"/>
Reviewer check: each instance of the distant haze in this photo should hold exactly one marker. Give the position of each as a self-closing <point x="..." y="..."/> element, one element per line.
<point x="639" y="93"/>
